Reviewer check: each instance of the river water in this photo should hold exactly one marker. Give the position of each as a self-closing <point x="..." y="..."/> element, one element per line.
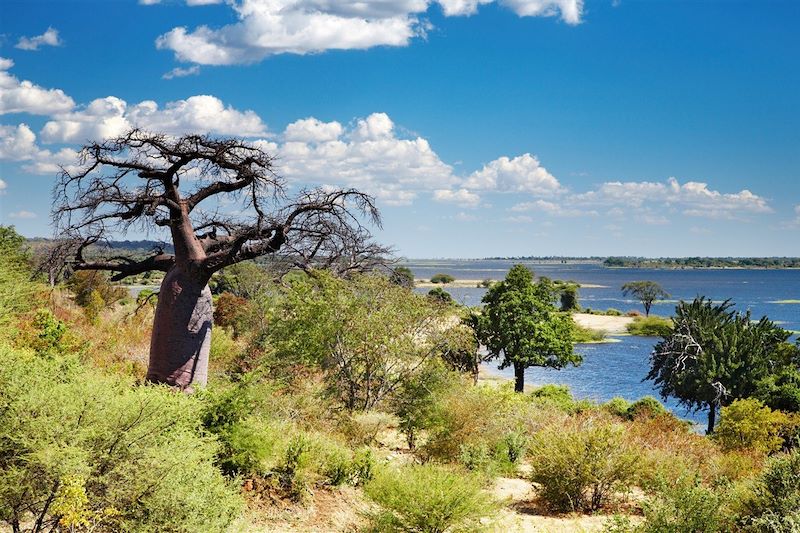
<point x="618" y="368"/>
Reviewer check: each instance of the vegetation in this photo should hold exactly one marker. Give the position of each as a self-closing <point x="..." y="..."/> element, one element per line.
<point x="646" y="292"/>
<point x="520" y="323"/>
<point x="715" y="355"/>
<point x="442" y="278"/>
<point x="703" y="262"/>
<point x="650" y="326"/>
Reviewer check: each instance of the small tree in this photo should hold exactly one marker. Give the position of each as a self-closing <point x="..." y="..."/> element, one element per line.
<point x="646" y="292"/>
<point x="715" y="355"/>
<point x="521" y="323"/>
<point x="442" y="278"/>
<point x="402" y="276"/>
<point x="440" y="295"/>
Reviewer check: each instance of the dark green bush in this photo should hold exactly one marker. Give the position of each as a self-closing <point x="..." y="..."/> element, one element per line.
<point x="442" y="278"/>
<point x="648" y="407"/>
<point x="650" y="326"/>
<point x="775" y="503"/>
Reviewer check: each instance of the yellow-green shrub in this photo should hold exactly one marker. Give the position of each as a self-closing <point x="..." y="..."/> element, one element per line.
<point x="749" y="424"/>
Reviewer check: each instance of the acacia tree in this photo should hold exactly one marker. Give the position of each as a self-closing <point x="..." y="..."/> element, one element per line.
<point x="221" y="203"/>
<point x="520" y="322"/>
<point x="646" y="292"/>
<point x="714" y="355"/>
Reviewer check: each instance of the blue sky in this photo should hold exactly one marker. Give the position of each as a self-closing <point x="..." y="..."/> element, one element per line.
<point x="508" y="127"/>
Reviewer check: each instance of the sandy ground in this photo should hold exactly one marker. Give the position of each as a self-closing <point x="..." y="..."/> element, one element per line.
<point x="461" y="283"/>
<point x="613" y="325"/>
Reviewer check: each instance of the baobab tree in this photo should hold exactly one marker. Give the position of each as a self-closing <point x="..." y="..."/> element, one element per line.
<point x="221" y="203"/>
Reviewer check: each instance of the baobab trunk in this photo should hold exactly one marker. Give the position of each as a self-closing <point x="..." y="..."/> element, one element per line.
<point x="181" y="338"/>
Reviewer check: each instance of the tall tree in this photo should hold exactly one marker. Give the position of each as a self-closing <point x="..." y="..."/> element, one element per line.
<point x="646" y="292"/>
<point x="520" y="322"/>
<point x="221" y="203"/>
<point x="715" y="355"/>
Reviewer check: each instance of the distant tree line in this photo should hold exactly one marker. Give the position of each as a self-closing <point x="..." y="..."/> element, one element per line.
<point x="702" y="262"/>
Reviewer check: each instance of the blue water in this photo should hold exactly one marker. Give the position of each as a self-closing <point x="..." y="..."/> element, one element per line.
<point x="617" y="369"/>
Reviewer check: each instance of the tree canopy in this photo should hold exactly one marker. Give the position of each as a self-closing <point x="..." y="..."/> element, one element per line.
<point x="715" y="355"/>
<point x="521" y="323"/>
<point x="646" y="292"/>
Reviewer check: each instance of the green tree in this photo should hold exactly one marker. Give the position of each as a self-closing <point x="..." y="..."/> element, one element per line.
<point x="16" y="289"/>
<point x="521" y="323"/>
<point x="568" y="295"/>
<point x="442" y="278"/>
<point x="402" y="276"/>
<point x="715" y="355"/>
<point x="440" y="295"/>
<point x="646" y="292"/>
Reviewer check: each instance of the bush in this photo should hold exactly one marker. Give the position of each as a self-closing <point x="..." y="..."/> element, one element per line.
<point x="584" y="334"/>
<point x="230" y="311"/>
<point x="618" y="406"/>
<point x="440" y="295"/>
<point x="442" y="278"/>
<point x="686" y="507"/>
<point x="558" y="397"/>
<point x="17" y="292"/>
<point x="647" y="407"/>
<point x="428" y="499"/>
<point x="580" y="466"/>
<point x="613" y="312"/>
<point x="84" y="283"/>
<point x="748" y="424"/>
<point x="650" y="326"/>
<point x="129" y="457"/>
<point x="775" y="502"/>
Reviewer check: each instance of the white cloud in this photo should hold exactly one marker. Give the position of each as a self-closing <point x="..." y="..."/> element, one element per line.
<point x="461" y="197"/>
<point x="179" y="72"/>
<point x="48" y="38"/>
<point x="17" y="143"/>
<point x="3" y="187"/>
<point x="269" y="27"/>
<point x="553" y="209"/>
<point x="110" y="116"/>
<point x="312" y="130"/>
<point x="25" y="97"/>
<point x="22" y="214"/>
<point x="691" y="198"/>
<point x="520" y="174"/>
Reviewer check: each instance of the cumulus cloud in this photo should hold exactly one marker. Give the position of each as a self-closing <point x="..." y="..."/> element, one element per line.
<point x="553" y="209"/>
<point x="180" y="72"/>
<point x="110" y="116"/>
<point x="691" y="198"/>
<point x="367" y="154"/>
<point x="520" y="174"/>
<point x="269" y="27"/>
<point x="3" y="187"/>
<point x="18" y="144"/>
<point x="48" y="38"/>
<point x="25" y="97"/>
<point x="461" y="197"/>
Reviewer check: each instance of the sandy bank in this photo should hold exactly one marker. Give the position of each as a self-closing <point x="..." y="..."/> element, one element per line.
<point x="613" y="325"/>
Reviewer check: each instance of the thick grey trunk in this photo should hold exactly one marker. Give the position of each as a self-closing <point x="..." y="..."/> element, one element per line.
<point x="181" y="338"/>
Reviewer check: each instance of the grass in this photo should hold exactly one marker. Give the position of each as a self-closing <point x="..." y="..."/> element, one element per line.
<point x="651" y="326"/>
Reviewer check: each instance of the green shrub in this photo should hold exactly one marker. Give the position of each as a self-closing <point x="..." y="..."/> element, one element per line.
<point x="583" y="334"/>
<point x="685" y="507"/>
<point x="442" y="278"/>
<point x="618" y="406"/>
<point x="103" y="449"/>
<point x="613" y="312"/>
<point x="428" y="499"/>
<point x="17" y="291"/>
<point x="558" y="397"/>
<point x="650" y="326"/>
<point x="748" y="424"/>
<point x="581" y="465"/>
<point x="647" y="407"/>
<point x="440" y="295"/>
<point x="775" y="502"/>
<point x="344" y="468"/>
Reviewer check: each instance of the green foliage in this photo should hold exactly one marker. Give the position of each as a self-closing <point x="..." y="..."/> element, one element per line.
<point x="17" y="291"/>
<point x="613" y="312"/>
<point x="581" y="334"/>
<point x="368" y="335"/>
<point x="85" y="283"/>
<point x="646" y="407"/>
<point x="520" y="323"/>
<point x="442" y="278"/>
<point x="143" y="463"/>
<point x="774" y="506"/>
<point x="685" y="507"/>
<point x="417" y="401"/>
<point x="651" y="326"/>
<point x="485" y="283"/>
<point x="748" y="424"/>
<point x="568" y="296"/>
<point x="558" y="397"/>
<point x="617" y="406"/>
<point x="715" y="355"/>
<point x="646" y="292"/>
<point x="581" y="465"/>
<point x="428" y="499"/>
<point x="402" y="276"/>
<point x="440" y="295"/>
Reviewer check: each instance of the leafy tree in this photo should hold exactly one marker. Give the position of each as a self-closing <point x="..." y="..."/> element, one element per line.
<point x="16" y="289"/>
<point x="646" y="292"/>
<point x="442" y="278"/>
<point x="84" y="282"/>
<point x="157" y="181"/>
<point x="715" y="355"/>
<point x="521" y="323"/>
<point x="402" y="276"/>
<point x="568" y="295"/>
<point x="440" y="295"/>
<point x="367" y="334"/>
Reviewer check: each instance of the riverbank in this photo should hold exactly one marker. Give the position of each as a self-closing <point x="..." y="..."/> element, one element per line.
<point x="473" y="283"/>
